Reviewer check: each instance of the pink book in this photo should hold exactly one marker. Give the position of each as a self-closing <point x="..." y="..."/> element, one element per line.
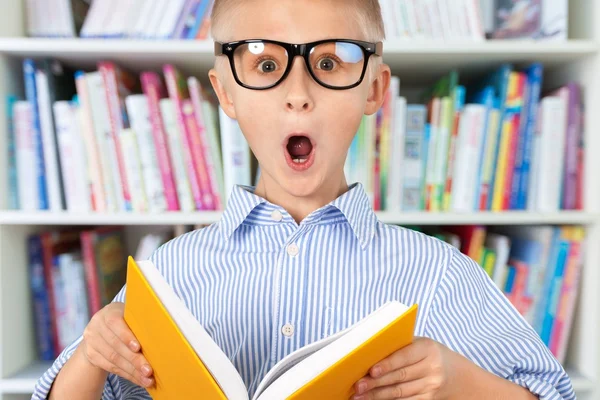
<point x="178" y="92"/>
<point x="154" y="90"/>
<point x="197" y="147"/>
<point x="118" y="84"/>
<point x="195" y="90"/>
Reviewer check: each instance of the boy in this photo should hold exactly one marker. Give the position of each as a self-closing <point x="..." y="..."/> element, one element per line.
<point x="302" y="255"/>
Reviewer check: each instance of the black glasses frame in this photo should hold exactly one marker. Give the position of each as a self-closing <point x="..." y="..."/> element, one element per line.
<point x="303" y="50"/>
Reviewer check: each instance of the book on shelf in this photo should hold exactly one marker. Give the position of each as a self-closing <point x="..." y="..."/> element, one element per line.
<point x="473" y="20"/>
<point x="194" y="363"/>
<point x="73" y="273"/>
<point x="538" y="268"/>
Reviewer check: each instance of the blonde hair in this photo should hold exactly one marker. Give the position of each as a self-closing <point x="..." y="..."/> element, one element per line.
<point x="365" y="13"/>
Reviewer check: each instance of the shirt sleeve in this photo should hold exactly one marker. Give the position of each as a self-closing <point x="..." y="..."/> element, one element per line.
<point x="115" y="387"/>
<point x="471" y="316"/>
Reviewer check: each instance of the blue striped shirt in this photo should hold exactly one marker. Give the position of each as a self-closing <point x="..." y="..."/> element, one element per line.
<point x="263" y="286"/>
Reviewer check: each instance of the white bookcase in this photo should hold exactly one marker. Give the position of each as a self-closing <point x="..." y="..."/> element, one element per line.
<point x="415" y="63"/>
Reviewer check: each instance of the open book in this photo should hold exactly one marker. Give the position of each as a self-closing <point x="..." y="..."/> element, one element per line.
<point x="187" y="362"/>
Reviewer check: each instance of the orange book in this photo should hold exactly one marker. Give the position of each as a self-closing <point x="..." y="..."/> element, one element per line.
<point x="186" y="361"/>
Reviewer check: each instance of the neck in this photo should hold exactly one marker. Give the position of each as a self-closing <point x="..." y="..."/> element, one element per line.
<point x="299" y="207"/>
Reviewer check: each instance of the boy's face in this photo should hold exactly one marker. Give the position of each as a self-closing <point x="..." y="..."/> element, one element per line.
<point x="298" y="119"/>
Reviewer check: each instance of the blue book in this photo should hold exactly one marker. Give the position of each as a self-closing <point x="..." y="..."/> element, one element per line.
<point x="13" y="184"/>
<point x="202" y="9"/>
<point x="41" y="300"/>
<point x="31" y="95"/>
<point x="534" y="84"/>
<point x="530" y="253"/>
<point x="554" y="289"/>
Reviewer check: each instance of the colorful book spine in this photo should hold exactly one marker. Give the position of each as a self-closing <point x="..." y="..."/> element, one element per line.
<point x="192" y="31"/>
<point x="177" y="90"/>
<point x="384" y="150"/>
<point x="31" y="95"/>
<point x="515" y="104"/>
<point x="534" y="85"/>
<point x="114" y="78"/>
<point x="209" y="146"/>
<point x="133" y="170"/>
<point x="152" y="88"/>
<point x="204" y="30"/>
<point x="568" y="294"/>
<point x="26" y="154"/>
<point x="488" y="167"/>
<point x="459" y="103"/>
<point x="198" y="149"/>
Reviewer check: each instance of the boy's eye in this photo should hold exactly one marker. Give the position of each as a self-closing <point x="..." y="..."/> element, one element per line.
<point x="267" y="66"/>
<point x="326" y="64"/>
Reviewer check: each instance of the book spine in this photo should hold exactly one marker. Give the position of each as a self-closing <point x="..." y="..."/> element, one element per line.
<point x="91" y="272"/>
<point x="184" y="17"/>
<point x="198" y="153"/>
<point x="435" y="109"/>
<point x="198" y="18"/>
<point x="204" y="137"/>
<point x="414" y="155"/>
<point x="41" y="303"/>
<point x="98" y="194"/>
<point x="376" y="171"/>
<point x="567" y="298"/>
<point x="133" y="170"/>
<point x="204" y="30"/>
<point x="46" y="243"/>
<point x="177" y="89"/>
<point x="109" y="76"/>
<point x="569" y="193"/>
<point x="26" y="155"/>
<point x="13" y="183"/>
<point x="488" y="167"/>
<point x="534" y="78"/>
<point x="62" y="112"/>
<point x="520" y="99"/>
<point x="151" y="87"/>
<point x="579" y="201"/>
<point x="510" y="171"/>
<point x="184" y="191"/>
<point x="139" y="114"/>
<point x="31" y="95"/>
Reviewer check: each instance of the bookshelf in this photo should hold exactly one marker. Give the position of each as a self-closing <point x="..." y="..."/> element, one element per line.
<point x="415" y="62"/>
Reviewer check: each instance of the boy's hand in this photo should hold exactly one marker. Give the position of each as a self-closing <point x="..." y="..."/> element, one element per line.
<point x="421" y="370"/>
<point x="109" y="345"/>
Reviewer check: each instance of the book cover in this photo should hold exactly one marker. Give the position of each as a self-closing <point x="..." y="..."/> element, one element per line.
<point x="517" y="18"/>
<point x="195" y="364"/>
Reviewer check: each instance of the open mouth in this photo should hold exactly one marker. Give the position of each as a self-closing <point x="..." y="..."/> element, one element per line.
<point x="299" y="148"/>
<point x="300" y="151"/>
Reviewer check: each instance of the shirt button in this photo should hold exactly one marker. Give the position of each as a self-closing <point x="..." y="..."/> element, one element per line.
<point x="293" y="250"/>
<point x="276" y="216"/>
<point x="287" y="330"/>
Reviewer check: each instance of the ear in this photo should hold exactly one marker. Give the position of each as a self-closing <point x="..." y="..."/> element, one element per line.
<point x="222" y="94"/>
<point x="377" y="89"/>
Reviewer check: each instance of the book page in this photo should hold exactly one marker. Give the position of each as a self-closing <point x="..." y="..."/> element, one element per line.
<point x="294" y="358"/>
<point x="215" y="360"/>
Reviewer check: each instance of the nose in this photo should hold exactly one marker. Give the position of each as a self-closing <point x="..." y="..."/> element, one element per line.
<point x="298" y="97"/>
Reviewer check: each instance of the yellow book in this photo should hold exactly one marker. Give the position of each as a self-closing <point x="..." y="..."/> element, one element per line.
<point x="188" y="363"/>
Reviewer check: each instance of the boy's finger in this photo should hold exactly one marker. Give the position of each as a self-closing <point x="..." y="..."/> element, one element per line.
<point x="406" y="356"/>
<point x="109" y="360"/>
<point x="117" y="325"/>
<point x="135" y="359"/>
<point x="401" y="375"/>
<point x="399" y="391"/>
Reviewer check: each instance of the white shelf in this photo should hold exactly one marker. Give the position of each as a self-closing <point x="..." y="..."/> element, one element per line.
<point x="209" y="217"/>
<point x="417" y="61"/>
<point x="24" y="381"/>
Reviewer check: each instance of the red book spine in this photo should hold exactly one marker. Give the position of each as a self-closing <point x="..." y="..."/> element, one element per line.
<point x="109" y="76"/>
<point x="178" y="91"/>
<point x="91" y="272"/>
<point x="152" y="88"/>
<point x="47" y="253"/>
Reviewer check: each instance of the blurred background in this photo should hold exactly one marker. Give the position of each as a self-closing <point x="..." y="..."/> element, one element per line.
<point x="112" y="143"/>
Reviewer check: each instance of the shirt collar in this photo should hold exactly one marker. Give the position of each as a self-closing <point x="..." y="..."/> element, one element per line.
<point x="354" y="205"/>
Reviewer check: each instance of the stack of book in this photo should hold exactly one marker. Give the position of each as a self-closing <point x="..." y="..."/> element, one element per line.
<point x="498" y="144"/>
<point x="538" y="268"/>
<point x="403" y="19"/>
<point x="109" y="141"/>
